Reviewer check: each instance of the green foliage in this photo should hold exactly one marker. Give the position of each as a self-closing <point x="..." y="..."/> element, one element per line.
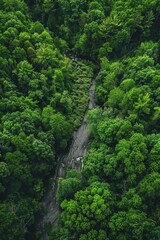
<point x="132" y="224"/>
<point x="44" y="96"/>
<point x="79" y="94"/>
<point x="88" y="209"/>
<point x="69" y="185"/>
<point x="9" y="227"/>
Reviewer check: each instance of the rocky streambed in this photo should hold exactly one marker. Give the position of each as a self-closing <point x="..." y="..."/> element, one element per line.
<point x="73" y="159"/>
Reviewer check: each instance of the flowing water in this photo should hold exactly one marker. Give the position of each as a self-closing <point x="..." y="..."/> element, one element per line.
<point x="73" y="159"/>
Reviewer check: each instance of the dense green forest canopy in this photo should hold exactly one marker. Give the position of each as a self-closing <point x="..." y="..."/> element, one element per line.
<point x="44" y="94"/>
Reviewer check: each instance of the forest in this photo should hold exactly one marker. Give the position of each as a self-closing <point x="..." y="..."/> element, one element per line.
<point x="50" y="50"/>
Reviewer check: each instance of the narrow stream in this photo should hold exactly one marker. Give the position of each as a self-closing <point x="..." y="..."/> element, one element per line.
<point x="73" y="159"/>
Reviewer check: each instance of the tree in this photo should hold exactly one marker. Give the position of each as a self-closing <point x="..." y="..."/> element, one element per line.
<point x="61" y="129"/>
<point x="4" y="171"/>
<point x="93" y="116"/>
<point x="148" y="188"/>
<point x="131" y="200"/>
<point x="9" y="227"/>
<point x="89" y="208"/>
<point x="131" y="154"/>
<point x="24" y="73"/>
<point x="69" y="185"/>
<point x="46" y="55"/>
<point x="133" y="224"/>
<point x="20" y="169"/>
<point x="115" y="97"/>
<point x="58" y="80"/>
